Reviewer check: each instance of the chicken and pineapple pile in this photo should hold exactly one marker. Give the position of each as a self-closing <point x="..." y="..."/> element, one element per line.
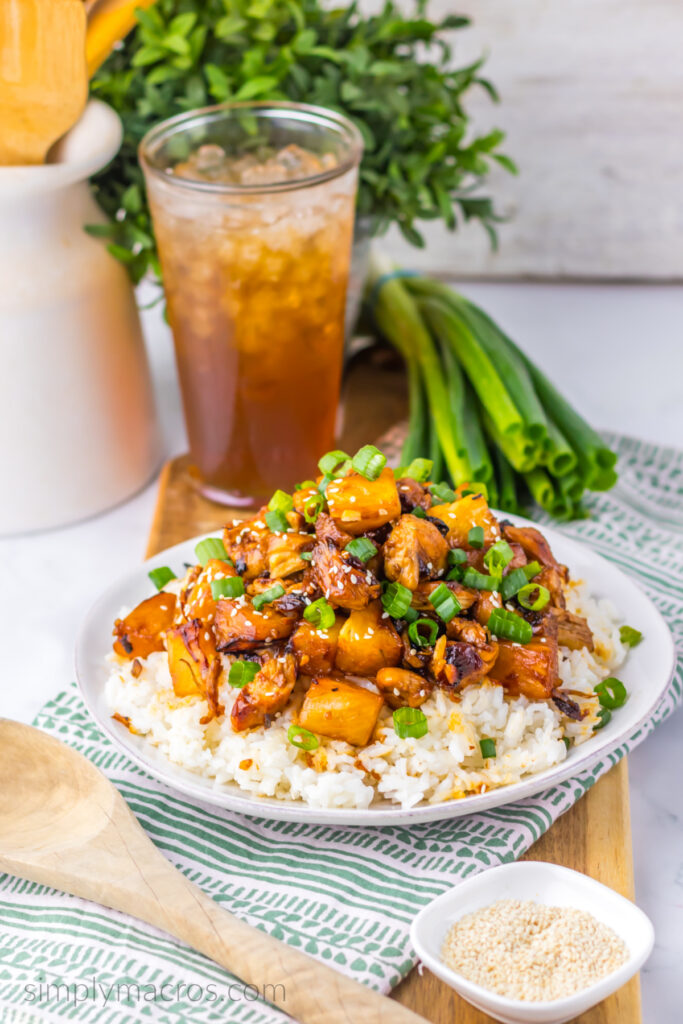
<point x="363" y="587"/>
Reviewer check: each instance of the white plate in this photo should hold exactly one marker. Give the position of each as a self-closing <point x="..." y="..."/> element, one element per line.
<point x="645" y="674"/>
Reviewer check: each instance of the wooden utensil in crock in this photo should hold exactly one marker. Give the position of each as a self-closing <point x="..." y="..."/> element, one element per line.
<point x="43" y="76"/>
<point x="63" y="824"/>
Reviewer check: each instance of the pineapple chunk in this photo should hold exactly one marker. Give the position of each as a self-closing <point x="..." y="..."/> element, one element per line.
<point x="142" y="630"/>
<point x="315" y="649"/>
<point x="367" y="642"/>
<point x="194" y="664"/>
<point x="461" y="515"/>
<point x="357" y="504"/>
<point x="340" y="710"/>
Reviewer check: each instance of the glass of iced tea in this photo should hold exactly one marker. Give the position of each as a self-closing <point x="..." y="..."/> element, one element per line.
<point x="253" y="210"/>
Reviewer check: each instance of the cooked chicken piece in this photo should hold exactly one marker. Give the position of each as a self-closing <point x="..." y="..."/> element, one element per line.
<point x="456" y="664"/>
<point x="519" y="558"/>
<point x="464" y="595"/>
<point x="343" y="579"/>
<point x="327" y="529"/>
<point x="142" y="631"/>
<point x="284" y="553"/>
<point x="534" y="545"/>
<point x="485" y="602"/>
<point x="241" y="627"/>
<point x="462" y="515"/>
<point x="341" y="710"/>
<point x="415" y="548"/>
<point x="553" y="580"/>
<point x="304" y="495"/>
<point x="196" y="600"/>
<point x="295" y="592"/>
<point x="247" y="545"/>
<point x="468" y="631"/>
<point x="401" y="687"/>
<point x="194" y="664"/>
<point x="414" y="657"/>
<point x="573" y="631"/>
<point x="567" y="706"/>
<point x="529" y="669"/>
<point x="412" y="494"/>
<point x="315" y="649"/>
<point x="357" y="504"/>
<point x="266" y="694"/>
<point x="367" y="642"/>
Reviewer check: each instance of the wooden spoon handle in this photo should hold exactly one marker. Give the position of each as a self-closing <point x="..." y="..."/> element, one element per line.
<point x="309" y="991"/>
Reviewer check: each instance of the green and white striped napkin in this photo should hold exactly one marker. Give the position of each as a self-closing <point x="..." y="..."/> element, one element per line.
<point x="345" y="895"/>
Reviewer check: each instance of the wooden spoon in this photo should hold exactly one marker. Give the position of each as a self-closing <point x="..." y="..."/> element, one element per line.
<point x="43" y="75"/>
<point x="63" y="824"/>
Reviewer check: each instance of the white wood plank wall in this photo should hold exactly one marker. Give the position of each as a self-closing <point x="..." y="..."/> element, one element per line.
<point x="592" y="101"/>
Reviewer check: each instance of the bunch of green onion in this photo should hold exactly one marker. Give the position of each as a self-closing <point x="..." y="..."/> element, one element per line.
<point x="479" y="408"/>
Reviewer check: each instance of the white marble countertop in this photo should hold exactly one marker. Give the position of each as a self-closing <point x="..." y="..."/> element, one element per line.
<point x="618" y="352"/>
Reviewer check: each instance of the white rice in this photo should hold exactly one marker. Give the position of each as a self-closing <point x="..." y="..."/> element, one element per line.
<point x="445" y="764"/>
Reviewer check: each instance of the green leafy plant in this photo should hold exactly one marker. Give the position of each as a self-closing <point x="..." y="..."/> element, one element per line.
<point x="393" y="75"/>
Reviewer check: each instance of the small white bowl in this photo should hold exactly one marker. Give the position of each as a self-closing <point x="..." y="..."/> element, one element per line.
<point x="544" y="883"/>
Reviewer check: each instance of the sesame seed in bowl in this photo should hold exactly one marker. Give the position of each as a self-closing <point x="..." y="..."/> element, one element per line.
<point x="532" y="943"/>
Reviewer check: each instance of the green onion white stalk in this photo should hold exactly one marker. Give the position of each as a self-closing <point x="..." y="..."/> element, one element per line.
<point x="478" y="406"/>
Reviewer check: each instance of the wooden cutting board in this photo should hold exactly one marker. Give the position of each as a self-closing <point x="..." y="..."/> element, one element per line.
<point x="593" y="837"/>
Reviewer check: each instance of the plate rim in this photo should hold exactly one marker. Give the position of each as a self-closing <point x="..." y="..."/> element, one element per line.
<point x="219" y="798"/>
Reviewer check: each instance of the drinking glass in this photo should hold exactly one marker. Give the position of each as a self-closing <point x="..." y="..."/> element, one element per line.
<point x="253" y="211"/>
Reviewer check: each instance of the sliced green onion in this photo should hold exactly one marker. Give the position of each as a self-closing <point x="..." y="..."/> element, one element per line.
<point x="276" y="521"/>
<point x="475" y="487"/>
<point x="305" y="556"/>
<point x="526" y="598"/>
<point x="488" y="748"/>
<point x="446" y="604"/>
<point x="510" y="626"/>
<point x="627" y="634"/>
<point x="604" y="716"/>
<point x="410" y="615"/>
<point x="456" y="556"/>
<point x="410" y="722"/>
<point x="419" y="469"/>
<point x="361" y="548"/>
<point x="418" y="511"/>
<point x="161" y="576"/>
<point x="305" y="485"/>
<point x="334" y="463"/>
<point x="396" y="600"/>
<point x="281" y="502"/>
<point x="480" y="580"/>
<point x="242" y="672"/>
<point x="267" y="596"/>
<point x="313" y="506"/>
<point x="475" y="537"/>
<point x="320" y="614"/>
<point x="369" y="461"/>
<point x="418" y="638"/>
<point x="498" y="556"/>
<point x="443" y="492"/>
<point x="456" y="573"/>
<point x="232" y="586"/>
<point x="302" y="738"/>
<point x="611" y="693"/>
<point x="212" y="547"/>
<point x="512" y="583"/>
<point x="531" y="569"/>
<point x="322" y="486"/>
<point x="567" y="742"/>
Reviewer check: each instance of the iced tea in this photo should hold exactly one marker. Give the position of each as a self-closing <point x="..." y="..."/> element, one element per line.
<point x="254" y="228"/>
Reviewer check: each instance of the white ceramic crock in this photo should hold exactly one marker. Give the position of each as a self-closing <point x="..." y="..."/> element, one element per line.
<point x="78" y="429"/>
